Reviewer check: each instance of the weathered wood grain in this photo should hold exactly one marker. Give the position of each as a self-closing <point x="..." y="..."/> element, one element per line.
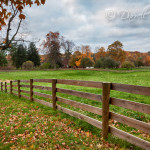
<point x="24" y="91"/>
<point x="31" y="89"/>
<point x="43" y="80"/>
<point x="82" y="106"/>
<point x="15" y="90"/>
<point x="11" y="88"/>
<point x="25" y="81"/>
<point x="131" y="122"/>
<point x="19" y="94"/>
<point x="142" y="90"/>
<point x="130" y="138"/>
<point x="144" y="108"/>
<point x="43" y="102"/>
<point x="80" y="94"/>
<point x="42" y="87"/>
<point x="27" y="86"/>
<point x="6" y="87"/>
<point x="54" y="98"/>
<point x="42" y="95"/>
<point x="80" y="83"/>
<point x="105" y="109"/>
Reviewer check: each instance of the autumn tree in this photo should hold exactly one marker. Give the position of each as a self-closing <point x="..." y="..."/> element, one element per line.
<point x="100" y="53"/>
<point x="115" y="51"/>
<point x="85" y="52"/>
<point x="146" y="60"/>
<point x="75" y="58"/>
<point x="68" y="47"/>
<point x="12" y="11"/>
<point x="52" y="45"/>
<point x="33" y="55"/>
<point x="136" y="57"/>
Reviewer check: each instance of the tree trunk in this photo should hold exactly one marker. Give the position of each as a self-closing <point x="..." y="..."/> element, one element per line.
<point x="55" y="66"/>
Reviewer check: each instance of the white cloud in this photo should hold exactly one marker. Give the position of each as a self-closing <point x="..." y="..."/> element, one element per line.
<point x="85" y="22"/>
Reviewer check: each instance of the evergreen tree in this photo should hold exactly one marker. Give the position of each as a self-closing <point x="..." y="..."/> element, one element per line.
<point x="33" y="55"/>
<point x="3" y="60"/>
<point x="19" y="55"/>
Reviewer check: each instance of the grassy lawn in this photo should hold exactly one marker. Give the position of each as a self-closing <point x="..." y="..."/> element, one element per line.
<point x="140" y="77"/>
<point x="28" y="125"/>
<point x="135" y="78"/>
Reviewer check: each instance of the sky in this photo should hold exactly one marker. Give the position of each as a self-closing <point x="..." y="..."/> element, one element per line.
<point x="94" y="22"/>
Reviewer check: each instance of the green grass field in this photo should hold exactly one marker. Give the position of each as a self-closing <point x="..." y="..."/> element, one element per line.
<point x="134" y="78"/>
<point x="27" y="125"/>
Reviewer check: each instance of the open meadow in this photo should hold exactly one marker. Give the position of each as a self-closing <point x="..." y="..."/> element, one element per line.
<point x="140" y="77"/>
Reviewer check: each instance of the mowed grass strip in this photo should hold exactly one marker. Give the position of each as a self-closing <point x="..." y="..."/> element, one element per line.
<point x="29" y="125"/>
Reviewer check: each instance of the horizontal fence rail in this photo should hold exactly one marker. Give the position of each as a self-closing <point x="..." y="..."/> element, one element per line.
<point x="80" y="94"/>
<point x="144" y="108"/>
<point x="15" y="87"/>
<point x="82" y="106"/>
<point x="131" y="89"/>
<point x="81" y="83"/>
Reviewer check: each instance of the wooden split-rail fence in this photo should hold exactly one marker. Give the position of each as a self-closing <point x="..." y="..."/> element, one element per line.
<point x="104" y="98"/>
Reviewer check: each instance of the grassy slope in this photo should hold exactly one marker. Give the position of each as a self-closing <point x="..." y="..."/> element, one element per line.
<point x="27" y="125"/>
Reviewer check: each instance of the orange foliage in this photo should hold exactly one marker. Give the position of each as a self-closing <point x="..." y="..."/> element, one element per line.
<point x="85" y="52"/>
<point x="137" y="56"/>
<point x="101" y="53"/>
<point x="146" y="59"/>
<point x="116" y="51"/>
<point x="18" y="5"/>
<point x="75" y="58"/>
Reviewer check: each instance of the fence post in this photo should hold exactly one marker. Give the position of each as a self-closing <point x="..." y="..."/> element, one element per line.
<point x="105" y="109"/>
<point x="31" y="89"/>
<point x="10" y="87"/>
<point x="54" y="81"/>
<point x="1" y="86"/>
<point x="6" y="87"/>
<point x="19" y="95"/>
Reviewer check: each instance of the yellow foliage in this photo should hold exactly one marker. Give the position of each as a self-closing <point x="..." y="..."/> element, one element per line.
<point x="85" y="52"/>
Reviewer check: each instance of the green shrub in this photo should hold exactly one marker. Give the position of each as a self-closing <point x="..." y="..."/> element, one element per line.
<point x="28" y="65"/>
<point x="138" y="63"/>
<point x="86" y="62"/>
<point x="98" y="64"/>
<point x="106" y="62"/>
<point x="45" y="66"/>
<point x="128" y="65"/>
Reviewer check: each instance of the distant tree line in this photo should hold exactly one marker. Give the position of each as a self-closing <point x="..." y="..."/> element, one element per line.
<point x="113" y="57"/>
<point x="60" y="52"/>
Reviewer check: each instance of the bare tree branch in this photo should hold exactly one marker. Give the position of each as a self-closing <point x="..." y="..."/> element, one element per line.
<point x="16" y="31"/>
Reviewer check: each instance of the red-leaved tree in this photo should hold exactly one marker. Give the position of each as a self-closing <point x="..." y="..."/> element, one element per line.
<point x="52" y="45"/>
